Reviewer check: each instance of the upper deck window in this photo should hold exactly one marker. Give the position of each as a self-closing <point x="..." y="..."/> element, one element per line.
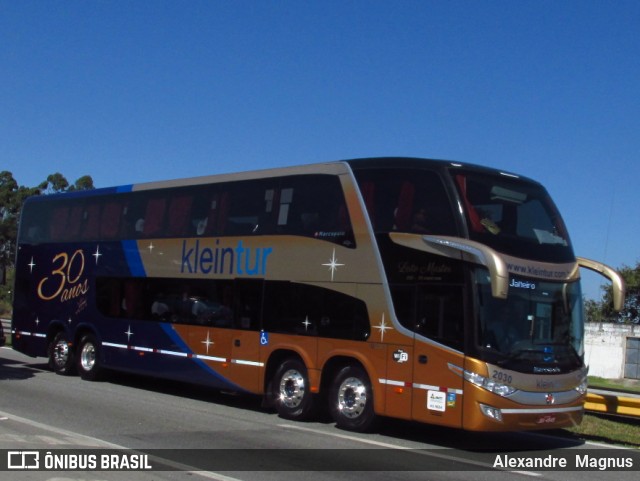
<point x="513" y="216"/>
<point x="407" y="200"/>
<point x="300" y="205"/>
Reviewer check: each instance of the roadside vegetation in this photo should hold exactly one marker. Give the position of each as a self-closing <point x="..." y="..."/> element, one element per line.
<point x="605" y="429"/>
<point x="608" y="429"/>
<point x="627" y="385"/>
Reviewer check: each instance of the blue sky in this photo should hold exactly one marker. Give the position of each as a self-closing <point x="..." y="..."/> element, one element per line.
<point x="134" y="91"/>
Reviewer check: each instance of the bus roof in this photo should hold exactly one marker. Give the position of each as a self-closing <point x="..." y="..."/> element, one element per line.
<point x="333" y="167"/>
<point x="435" y="164"/>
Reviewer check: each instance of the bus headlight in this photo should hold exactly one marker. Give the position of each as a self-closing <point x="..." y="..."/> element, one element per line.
<point x="582" y="388"/>
<point x="489" y="384"/>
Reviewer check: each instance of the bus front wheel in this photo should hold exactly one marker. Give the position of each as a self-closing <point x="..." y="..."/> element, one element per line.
<point x="61" y="354"/>
<point x="351" y="400"/>
<point x="87" y="358"/>
<point x="291" y="391"/>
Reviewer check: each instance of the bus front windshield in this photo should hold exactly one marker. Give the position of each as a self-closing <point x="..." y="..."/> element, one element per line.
<point x="537" y="329"/>
<point x="513" y="216"/>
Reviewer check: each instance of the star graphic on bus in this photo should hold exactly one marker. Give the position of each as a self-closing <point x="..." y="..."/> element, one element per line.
<point x="129" y="333"/>
<point x="207" y="342"/>
<point x="333" y="264"/>
<point x="306" y="323"/>
<point x="31" y="265"/>
<point x="382" y="327"/>
<point x="97" y="254"/>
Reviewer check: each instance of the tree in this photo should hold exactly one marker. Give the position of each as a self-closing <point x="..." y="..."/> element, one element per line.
<point x="593" y="310"/>
<point x="54" y="184"/>
<point x="631" y="311"/>
<point x="57" y="183"/>
<point x="603" y="310"/>
<point x="83" y="183"/>
<point x="13" y="196"/>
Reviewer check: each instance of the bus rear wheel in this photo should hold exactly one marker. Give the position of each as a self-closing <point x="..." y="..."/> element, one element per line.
<point x="351" y="400"/>
<point x="88" y="361"/>
<point x="61" y="354"/>
<point x="291" y="392"/>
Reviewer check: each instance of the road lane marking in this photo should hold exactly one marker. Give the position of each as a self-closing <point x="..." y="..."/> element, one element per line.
<point x="395" y="446"/>
<point x="95" y="442"/>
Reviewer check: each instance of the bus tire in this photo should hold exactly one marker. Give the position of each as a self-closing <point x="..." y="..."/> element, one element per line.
<point x="351" y="400"/>
<point x="61" y="355"/>
<point x="88" y="359"/>
<point x="291" y="392"/>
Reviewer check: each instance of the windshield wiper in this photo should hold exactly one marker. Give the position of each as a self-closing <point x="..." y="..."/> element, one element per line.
<point x="538" y="349"/>
<point x="517" y="354"/>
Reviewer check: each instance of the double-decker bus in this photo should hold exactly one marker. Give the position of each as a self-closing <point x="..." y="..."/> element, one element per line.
<point x="425" y="290"/>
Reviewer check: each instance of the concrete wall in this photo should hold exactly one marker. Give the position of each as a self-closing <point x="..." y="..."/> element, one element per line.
<point x="605" y="348"/>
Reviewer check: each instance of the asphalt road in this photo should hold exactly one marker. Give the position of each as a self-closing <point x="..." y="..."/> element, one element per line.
<point x="191" y="433"/>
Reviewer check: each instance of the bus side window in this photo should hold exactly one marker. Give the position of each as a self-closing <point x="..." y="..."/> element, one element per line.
<point x="132" y="302"/>
<point x="58" y="222"/>
<point x="248" y="303"/>
<point x="250" y="208"/>
<point x="441" y="314"/>
<point x="154" y="217"/>
<point x="75" y="221"/>
<point x="368" y="189"/>
<point x="409" y="201"/>
<point x="314" y="206"/>
<point x="404" y="303"/>
<point x="311" y="310"/>
<point x="404" y="208"/>
<point x="110" y="220"/>
<point x="91" y="222"/>
<point x="219" y="213"/>
<point x="434" y="311"/>
<point x="179" y="212"/>
<point x="133" y="218"/>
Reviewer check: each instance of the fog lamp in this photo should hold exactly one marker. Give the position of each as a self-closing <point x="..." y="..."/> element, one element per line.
<point x="491" y="412"/>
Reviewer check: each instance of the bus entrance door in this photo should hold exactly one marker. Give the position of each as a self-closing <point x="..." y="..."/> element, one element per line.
<point x="437" y="384"/>
<point x="245" y="359"/>
<point x="437" y="390"/>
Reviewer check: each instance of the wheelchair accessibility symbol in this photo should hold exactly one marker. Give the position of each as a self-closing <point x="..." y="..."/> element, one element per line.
<point x="264" y="338"/>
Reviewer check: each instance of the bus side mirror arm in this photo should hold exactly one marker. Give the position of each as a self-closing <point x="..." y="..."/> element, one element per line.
<point x="616" y="279"/>
<point x="480" y="254"/>
<point x="463" y="249"/>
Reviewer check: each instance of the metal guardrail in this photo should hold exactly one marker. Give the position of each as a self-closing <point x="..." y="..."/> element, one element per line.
<point x="6" y="330"/>
<point x="612" y="404"/>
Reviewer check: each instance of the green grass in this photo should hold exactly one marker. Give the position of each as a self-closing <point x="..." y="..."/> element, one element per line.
<point x="630" y="385"/>
<point x="605" y="429"/>
<point x="608" y="429"/>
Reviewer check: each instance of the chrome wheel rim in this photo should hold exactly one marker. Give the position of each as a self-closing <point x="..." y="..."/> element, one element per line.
<point x="61" y="353"/>
<point x="88" y="357"/>
<point x="292" y="388"/>
<point x="352" y="397"/>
